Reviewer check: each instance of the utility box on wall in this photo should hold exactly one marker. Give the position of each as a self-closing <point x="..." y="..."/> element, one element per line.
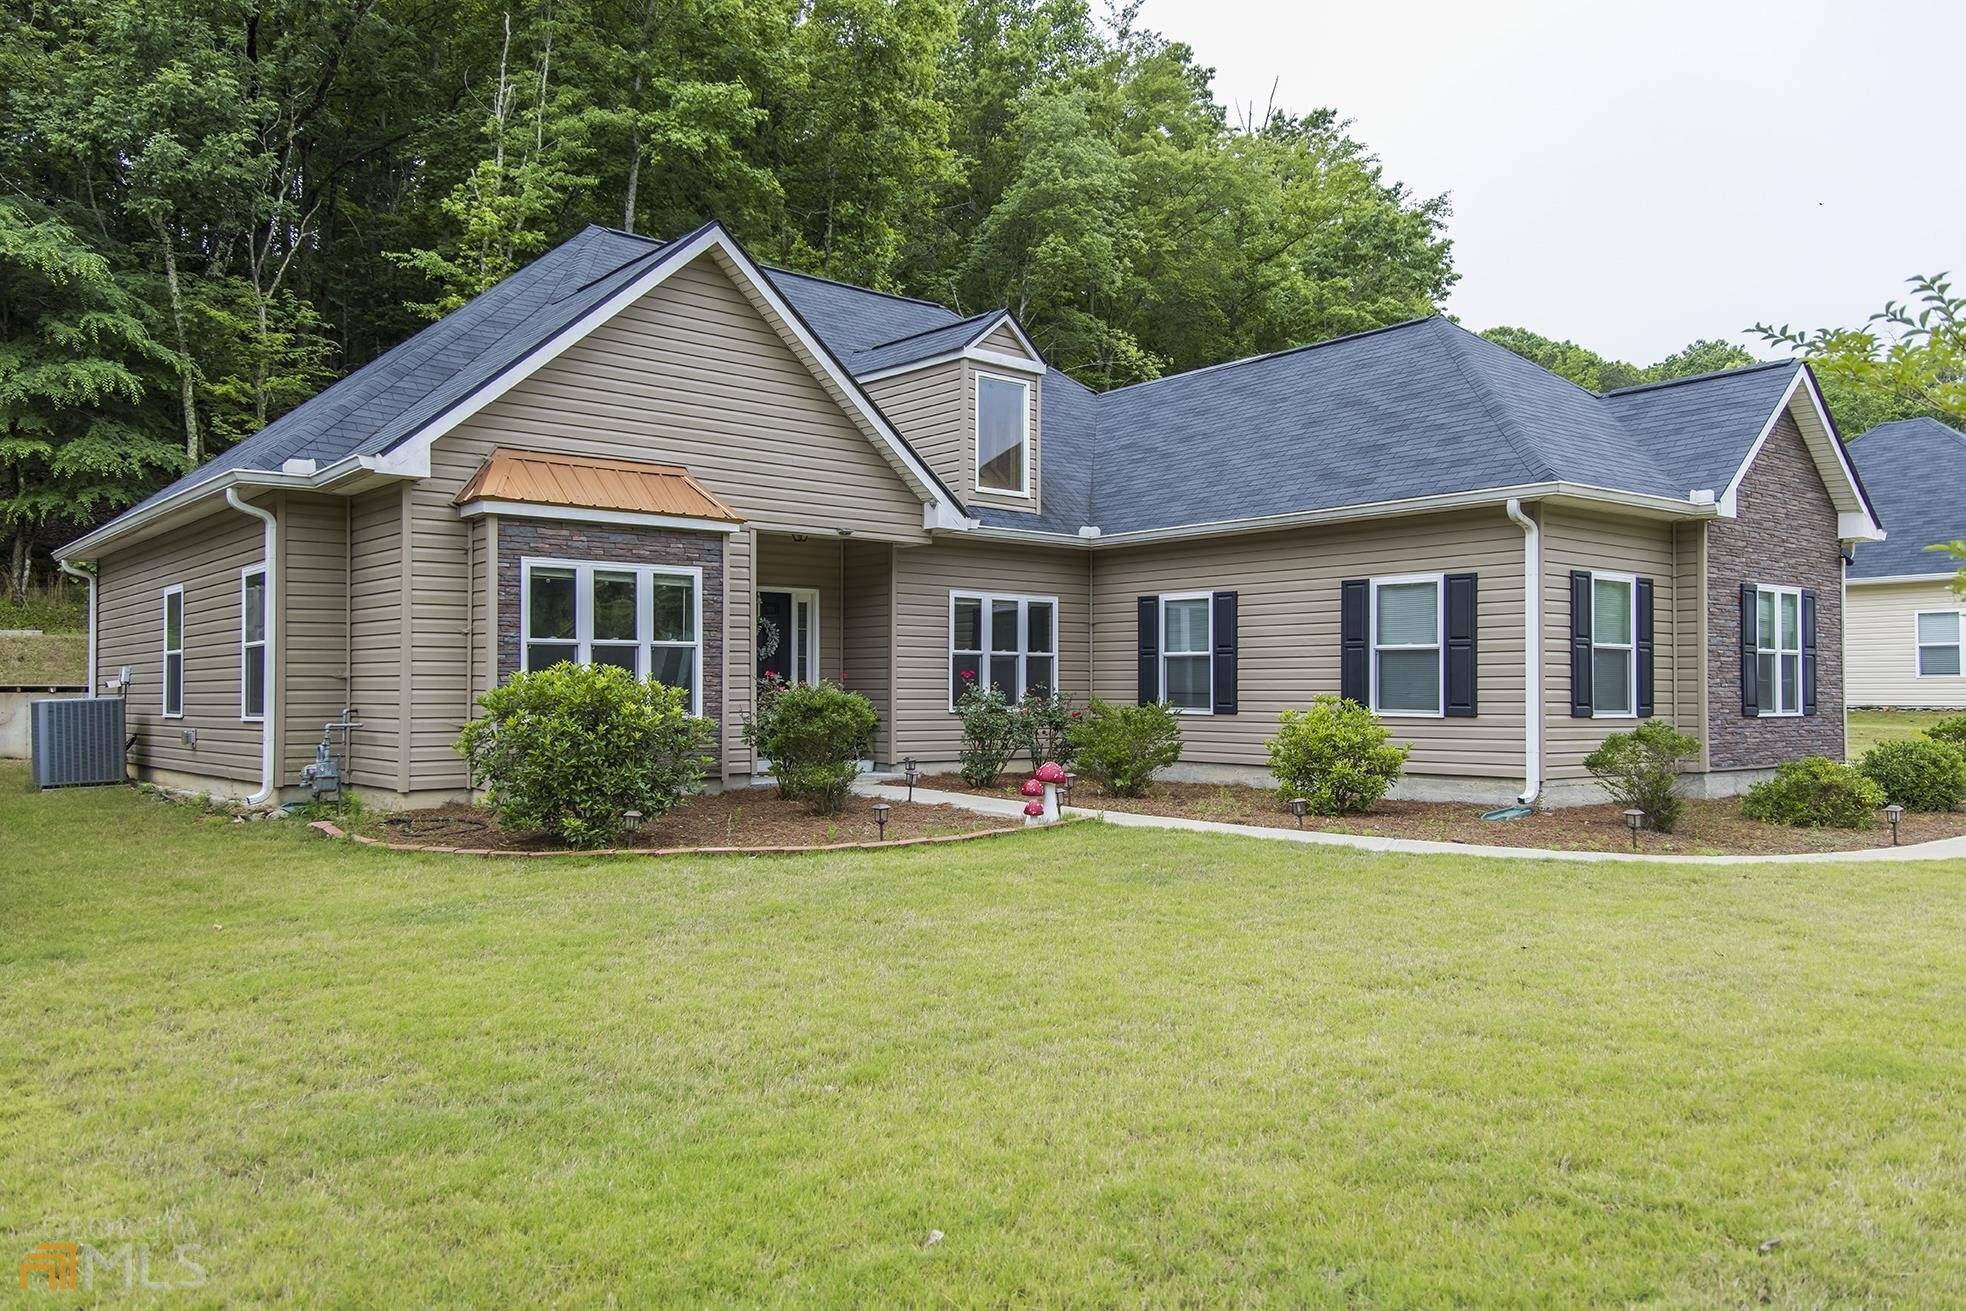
<point x="78" y="741"/>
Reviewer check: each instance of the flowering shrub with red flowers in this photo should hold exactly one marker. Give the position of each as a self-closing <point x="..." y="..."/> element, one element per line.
<point x="990" y="734"/>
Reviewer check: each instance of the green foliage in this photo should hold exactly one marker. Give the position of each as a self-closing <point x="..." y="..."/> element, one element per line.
<point x="990" y="734"/>
<point x="1336" y="755"/>
<point x="1907" y="361"/>
<point x="814" y="735"/>
<point x="567" y="750"/>
<point x="1950" y="730"/>
<point x="1918" y="773"/>
<point x="1122" y="747"/>
<point x="1640" y="770"/>
<point x="1599" y="373"/>
<point x="1815" y="792"/>
<point x="1043" y="725"/>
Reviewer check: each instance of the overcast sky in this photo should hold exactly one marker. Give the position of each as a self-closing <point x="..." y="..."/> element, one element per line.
<point x="1637" y="176"/>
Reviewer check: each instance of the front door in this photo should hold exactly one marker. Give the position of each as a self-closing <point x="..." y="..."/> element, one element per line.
<point x="788" y="632"/>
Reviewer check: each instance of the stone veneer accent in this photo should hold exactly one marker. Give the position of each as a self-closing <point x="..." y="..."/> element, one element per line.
<point x="613" y="544"/>
<point x="1785" y="534"/>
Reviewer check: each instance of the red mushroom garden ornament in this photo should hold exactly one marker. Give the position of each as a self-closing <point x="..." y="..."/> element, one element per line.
<point x="1043" y="784"/>
<point x="1051" y="772"/>
<point x="1032" y="788"/>
<point x="1034" y="812"/>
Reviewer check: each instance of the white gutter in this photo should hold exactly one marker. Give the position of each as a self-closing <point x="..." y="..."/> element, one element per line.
<point x="1532" y="654"/>
<point x="90" y="579"/>
<point x="268" y="561"/>
<point x="1901" y="578"/>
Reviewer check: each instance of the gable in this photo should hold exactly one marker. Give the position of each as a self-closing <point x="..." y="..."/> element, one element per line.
<point x="695" y="373"/>
<point x="1004" y="340"/>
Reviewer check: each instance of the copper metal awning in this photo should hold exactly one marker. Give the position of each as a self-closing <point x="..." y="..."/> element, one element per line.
<point x="589" y="483"/>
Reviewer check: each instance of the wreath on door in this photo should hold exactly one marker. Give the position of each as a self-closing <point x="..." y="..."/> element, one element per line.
<point x="767" y="638"/>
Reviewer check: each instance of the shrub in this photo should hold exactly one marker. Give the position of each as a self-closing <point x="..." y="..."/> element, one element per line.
<point x="814" y="736"/>
<point x="1950" y="730"/>
<point x="1044" y="727"/>
<point x="1917" y="773"/>
<point x="1815" y="792"/>
<point x="1336" y="755"/>
<point x="990" y="734"/>
<point x="1640" y="770"/>
<point x="1122" y="747"/>
<point x="566" y="750"/>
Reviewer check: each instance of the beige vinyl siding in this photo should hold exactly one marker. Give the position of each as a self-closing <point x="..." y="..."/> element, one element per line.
<point x="1288" y="586"/>
<point x="375" y="637"/>
<point x="205" y="557"/>
<point x="813" y="565"/>
<point x="1882" y="655"/>
<point x="929" y="407"/>
<point x="1596" y="541"/>
<point x="923" y="580"/>
<point x="691" y="374"/>
<point x="1003" y="339"/>
<point x="312" y="633"/>
<point x="867" y="629"/>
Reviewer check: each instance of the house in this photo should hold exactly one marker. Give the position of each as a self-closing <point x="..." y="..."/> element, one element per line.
<point x="663" y="455"/>
<point x="1906" y="622"/>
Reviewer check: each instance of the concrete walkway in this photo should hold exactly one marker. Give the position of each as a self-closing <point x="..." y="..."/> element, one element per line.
<point x="879" y="785"/>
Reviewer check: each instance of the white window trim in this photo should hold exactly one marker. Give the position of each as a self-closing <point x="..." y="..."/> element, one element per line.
<point x="1024" y="602"/>
<point x="1208" y="608"/>
<point x="1438" y="645"/>
<point x="1778" y="651"/>
<point x="583" y="612"/>
<point x="798" y="594"/>
<point x="1918" y="645"/>
<point x="1631" y="626"/>
<point x="245" y="647"/>
<point x="164" y="667"/>
<point x="1023" y="490"/>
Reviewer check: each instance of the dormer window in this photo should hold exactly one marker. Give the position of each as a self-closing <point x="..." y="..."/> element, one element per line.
<point x="1003" y="435"/>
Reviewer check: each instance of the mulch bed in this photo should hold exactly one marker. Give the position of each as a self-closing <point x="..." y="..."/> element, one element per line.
<point x="1708" y="828"/>
<point x="740" y="817"/>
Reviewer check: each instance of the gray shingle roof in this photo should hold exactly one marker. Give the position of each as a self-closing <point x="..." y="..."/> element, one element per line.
<point x="1416" y="409"/>
<point x="1915" y="471"/>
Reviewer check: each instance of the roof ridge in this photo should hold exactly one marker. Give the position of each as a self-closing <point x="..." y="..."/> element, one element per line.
<point x="1504" y="418"/>
<point x="944" y="327"/>
<point x="1708" y="376"/>
<point x="1273" y="355"/>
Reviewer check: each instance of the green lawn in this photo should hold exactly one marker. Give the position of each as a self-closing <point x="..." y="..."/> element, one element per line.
<point x="1109" y="1066"/>
<point x="1866" y="728"/>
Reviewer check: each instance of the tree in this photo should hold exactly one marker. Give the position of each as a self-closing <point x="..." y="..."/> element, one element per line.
<point x="1907" y="361"/>
<point x="1707" y="355"/>
<point x="74" y="345"/>
<point x="1582" y="366"/>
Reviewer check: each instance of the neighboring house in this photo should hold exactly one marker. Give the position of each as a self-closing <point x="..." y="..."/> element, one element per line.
<point x="1906" y="622"/>
<point x="663" y="455"/>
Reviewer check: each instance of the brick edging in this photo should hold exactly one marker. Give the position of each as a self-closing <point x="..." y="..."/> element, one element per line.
<point x="330" y="829"/>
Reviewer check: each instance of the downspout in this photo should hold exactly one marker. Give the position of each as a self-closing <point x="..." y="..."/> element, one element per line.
<point x="1532" y="653"/>
<point x="270" y="564"/>
<point x="90" y="579"/>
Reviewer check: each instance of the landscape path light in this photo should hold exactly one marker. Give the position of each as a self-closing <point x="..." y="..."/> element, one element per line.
<point x="1633" y="818"/>
<point x="1894" y="813"/>
<point x="1299" y="807"/>
<point x="880" y="817"/>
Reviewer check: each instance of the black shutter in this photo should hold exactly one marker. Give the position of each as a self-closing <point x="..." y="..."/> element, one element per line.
<point x="1644" y="646"/>
<point x="1354" y="596"/>
<point x="1225" y="652"/>
<point x="1808" y="652"/>
<point x="1459" y="701"/>
<point x="1149" y="649"/>
<point x="1750" y="671"/>
<point x="1580" y="644"/>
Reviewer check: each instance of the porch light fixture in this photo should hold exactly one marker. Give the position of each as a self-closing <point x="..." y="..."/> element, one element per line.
<point x="1633" y="818"/>
<point x="880" y="817"/>
<point x="1299" y="807"/>
<point x="1894" y="813"/>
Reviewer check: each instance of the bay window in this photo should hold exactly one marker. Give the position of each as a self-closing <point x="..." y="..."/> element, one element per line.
<point x="642" y="618"/>
<point x="1009" y="643"/>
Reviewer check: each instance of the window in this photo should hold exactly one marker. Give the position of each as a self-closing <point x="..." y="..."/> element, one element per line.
<point x="643" y="619"/>
<point x="1187" y="662"/>
<point x="1003" y="432"/>
<point x="1009" y="643"/>
<point x="1614" y="660"/>
<point x="1939" y="643"/>
<point x="1778" y="649"/>
<point x="173" y="652"/>
<point x="252" y="643"/>
<point x="1406" y="645"/>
